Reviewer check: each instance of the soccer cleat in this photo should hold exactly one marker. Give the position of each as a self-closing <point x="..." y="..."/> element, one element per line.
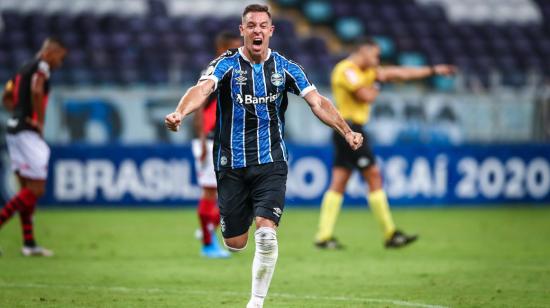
<point x="253" y="305"/>
<point x="213" y="251"/>
<point x="400" y="239"/>
<point x="36" y="251"/>
<point x="255" y="302"/>
<point x="330" y="244"/>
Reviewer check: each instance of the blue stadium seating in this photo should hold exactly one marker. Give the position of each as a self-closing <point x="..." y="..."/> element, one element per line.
<point x="509" y="44"/>
<point x="138" y="49"/>
<point x="155" y="46"/>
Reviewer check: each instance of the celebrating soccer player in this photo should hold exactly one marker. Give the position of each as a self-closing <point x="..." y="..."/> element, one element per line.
<point x="26" y="95"/>
<point x="355" y="87"/>
<point x="204" y="122"/>
<point x="250" y="155"/>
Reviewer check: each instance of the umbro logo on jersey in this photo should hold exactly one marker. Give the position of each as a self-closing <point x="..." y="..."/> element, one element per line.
<point x="241" y="77"/>
<point x="241" y="80"/>
<point x="249" y="99"/>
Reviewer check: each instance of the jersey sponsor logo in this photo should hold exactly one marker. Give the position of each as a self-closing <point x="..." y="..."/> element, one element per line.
<point x="251" y="99"/>
<point x="277" y="79"/>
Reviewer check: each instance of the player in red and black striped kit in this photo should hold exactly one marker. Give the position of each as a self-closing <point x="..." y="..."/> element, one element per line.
<point x="202" y="146"/>
<point x="26" y="96"/>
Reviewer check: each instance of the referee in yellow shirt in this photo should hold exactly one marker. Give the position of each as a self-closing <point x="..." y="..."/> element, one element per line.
<point x="355" y="86"/>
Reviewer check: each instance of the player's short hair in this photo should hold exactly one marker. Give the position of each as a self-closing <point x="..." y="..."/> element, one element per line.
<point x="256" y="8"/>
<point x="55" y="40"/>
<point x="226" y="36"/>
<point x="364" y="41"/>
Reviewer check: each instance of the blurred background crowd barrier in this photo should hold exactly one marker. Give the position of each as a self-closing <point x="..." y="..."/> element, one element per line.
<point x="480" y="137"/>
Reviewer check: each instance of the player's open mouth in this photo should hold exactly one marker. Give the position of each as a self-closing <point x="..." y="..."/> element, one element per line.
<point x="257" y="42"/>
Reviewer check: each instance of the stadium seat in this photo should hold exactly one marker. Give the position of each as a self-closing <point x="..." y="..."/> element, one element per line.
<point x="501" y="36"/>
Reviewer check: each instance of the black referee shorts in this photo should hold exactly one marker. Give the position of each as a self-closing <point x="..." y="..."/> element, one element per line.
<point x="345" y="157"/>
<point x="249" y="192"/>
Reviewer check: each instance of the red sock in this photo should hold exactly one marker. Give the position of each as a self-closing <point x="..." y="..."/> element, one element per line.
<point x="215" y="215"/>
<point x="26" y="216"/>
<point x="21" y="201"/>
<point x="208" y="224"/>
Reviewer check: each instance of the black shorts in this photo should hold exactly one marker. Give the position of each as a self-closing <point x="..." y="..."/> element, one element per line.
<point x="345" y="157"/>
<point x="248" y="192"/>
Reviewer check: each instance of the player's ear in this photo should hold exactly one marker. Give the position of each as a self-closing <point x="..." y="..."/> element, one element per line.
<point x="241" y="29"/>
<point x="271" y="31"/>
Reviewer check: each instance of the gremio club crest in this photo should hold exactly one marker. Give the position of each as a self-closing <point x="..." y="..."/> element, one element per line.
<point x="277" y="79"/>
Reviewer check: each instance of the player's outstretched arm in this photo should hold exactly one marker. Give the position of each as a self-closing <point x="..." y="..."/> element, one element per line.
<point x="367" y="94"/>
<point x="193" y="99"/>
<point x="400" y="73"/>
<point x="325" y="111"/>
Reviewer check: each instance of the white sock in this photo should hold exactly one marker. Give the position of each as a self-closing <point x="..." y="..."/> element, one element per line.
<point x="264" y="262"/>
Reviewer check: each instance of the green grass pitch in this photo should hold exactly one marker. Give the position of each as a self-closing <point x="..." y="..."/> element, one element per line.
<point x="466" y="257"/>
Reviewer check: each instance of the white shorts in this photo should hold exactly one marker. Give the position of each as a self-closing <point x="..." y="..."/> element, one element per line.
<point x="29" y="154"/>
<point x="206" y="176"/>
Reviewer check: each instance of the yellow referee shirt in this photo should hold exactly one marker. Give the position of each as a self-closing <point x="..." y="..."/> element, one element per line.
<point x="345" y="80"/>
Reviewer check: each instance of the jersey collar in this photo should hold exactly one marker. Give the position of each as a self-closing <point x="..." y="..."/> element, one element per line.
<point x="247" y="60"/>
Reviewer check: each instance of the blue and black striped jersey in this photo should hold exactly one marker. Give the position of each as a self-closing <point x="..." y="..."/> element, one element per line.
<point x="252" y="100"/>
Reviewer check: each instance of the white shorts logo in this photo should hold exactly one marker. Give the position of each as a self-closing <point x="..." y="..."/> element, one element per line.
<point x="363" y="162"/>
<point x="277" y="212"/>
<point x="223" y="161"/>
<point x="222" y="224"/>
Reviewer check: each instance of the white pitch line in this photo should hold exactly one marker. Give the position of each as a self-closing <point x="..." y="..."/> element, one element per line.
<point x="229" y="293"/>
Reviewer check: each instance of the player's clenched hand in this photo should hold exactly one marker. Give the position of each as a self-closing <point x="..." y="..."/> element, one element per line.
<point x="354" y="139"/>
<point x="444" y="69"/>
<point x="173" y="121"/>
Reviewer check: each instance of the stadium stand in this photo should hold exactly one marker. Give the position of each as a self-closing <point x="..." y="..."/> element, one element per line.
<point x="127" y="44"/>
<point x="157" y="41"/>
<point x="510" y="38"/>
<point x="136" y="42"/>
